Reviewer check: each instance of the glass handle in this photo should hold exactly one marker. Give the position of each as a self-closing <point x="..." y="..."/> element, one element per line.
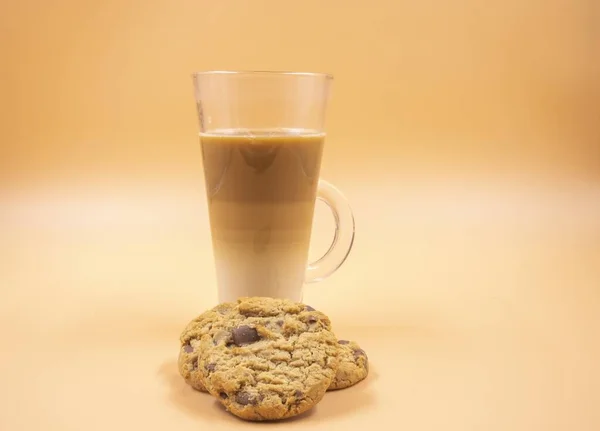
<point x="343" y="237"/>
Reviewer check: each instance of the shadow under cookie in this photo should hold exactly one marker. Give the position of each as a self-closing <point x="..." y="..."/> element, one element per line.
<point x="346" y="401"/>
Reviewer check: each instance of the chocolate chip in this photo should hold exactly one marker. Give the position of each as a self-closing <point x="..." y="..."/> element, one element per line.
<point x="279" y="323"/>
<point x="344" y="342"/>
<point x="187" y="348"/>
<point x="298" y="394"/>
<point x="224" y="395"/>
<point x="309" y="308"/>
<point x="244" y="398"/>
<point x="210" y="367"/>
<point x="312" y="319"/>
<point x="358" y="353"/>
<point x="244" y="335"/>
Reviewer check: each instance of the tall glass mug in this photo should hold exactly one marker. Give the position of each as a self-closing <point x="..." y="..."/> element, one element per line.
<point x="262" y="137"/>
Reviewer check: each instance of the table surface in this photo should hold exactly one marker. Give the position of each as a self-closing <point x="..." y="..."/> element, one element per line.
<point x="479" y="312"/>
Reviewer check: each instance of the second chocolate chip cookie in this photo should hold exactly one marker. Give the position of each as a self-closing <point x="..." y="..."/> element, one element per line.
<point x="353" y="367"/>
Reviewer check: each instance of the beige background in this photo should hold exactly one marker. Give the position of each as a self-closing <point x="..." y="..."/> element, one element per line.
<point x="466" y="135"/>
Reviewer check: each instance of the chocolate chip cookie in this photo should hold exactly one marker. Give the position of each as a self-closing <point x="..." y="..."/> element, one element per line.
<point x="353" y="367"/>
<point x="264" y="358"/>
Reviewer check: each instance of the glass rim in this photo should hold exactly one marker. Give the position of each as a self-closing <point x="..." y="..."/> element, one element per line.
<point x="327" y="76"/>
